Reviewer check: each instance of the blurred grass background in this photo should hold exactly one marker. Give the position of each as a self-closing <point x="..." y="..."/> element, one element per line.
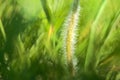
<point x="31" y="45"/>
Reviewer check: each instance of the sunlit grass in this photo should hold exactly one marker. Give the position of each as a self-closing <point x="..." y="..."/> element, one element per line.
<point x="31" y="45"/>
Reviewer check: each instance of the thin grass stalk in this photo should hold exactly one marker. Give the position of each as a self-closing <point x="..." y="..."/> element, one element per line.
<point x="49" y="17"/>
<point x="2" y="30"/>
<point x="47" y="10"/>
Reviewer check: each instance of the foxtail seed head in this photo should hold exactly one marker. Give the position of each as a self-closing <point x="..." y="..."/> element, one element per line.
<point x="69" y="34"/>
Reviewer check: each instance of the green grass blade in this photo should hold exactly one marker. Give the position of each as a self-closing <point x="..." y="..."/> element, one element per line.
<point x="47" y="10"/>
<point x="91" y="47"/>
<point x="2" y="30"/>
<point x="110" y="44"/>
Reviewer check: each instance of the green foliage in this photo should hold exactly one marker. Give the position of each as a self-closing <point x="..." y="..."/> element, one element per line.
<point x="31" y="45"/>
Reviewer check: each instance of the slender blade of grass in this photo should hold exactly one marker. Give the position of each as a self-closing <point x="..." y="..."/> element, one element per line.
<point x="2" y="30"/>
<point x="91" y="47"/>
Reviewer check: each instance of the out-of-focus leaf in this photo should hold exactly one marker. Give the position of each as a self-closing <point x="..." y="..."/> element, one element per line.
<point x="2" y="30"/>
